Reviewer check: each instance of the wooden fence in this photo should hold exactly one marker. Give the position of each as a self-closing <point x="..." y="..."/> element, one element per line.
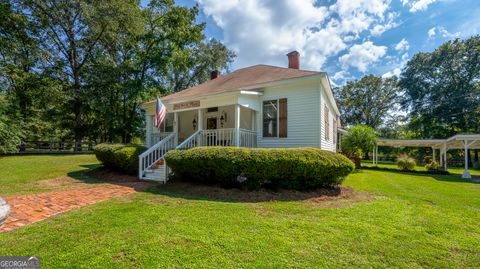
<point x="55" y="147"/>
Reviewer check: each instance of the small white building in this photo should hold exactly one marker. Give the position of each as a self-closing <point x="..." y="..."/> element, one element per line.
<point x="258" y="106"/>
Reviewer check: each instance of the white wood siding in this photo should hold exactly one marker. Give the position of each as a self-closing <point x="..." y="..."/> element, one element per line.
<point x="326" y="144"/>
<point x="302" y="118"/>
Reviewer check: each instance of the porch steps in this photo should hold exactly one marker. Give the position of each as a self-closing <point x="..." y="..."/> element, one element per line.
<point x="156" y="174"/>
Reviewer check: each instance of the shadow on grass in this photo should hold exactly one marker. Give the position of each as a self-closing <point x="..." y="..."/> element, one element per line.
<point x="448" y="178"/>
<point x="97" y="174"/>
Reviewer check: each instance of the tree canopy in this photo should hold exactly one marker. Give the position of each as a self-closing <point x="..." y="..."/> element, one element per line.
<point x="80" y="69"/>
<point x="369" y="101"/>
<point x="442" y="89"/>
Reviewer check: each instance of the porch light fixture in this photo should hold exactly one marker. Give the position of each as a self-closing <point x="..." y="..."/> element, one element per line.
<point x="223" y="118"/>
<point x="194" y="123"/>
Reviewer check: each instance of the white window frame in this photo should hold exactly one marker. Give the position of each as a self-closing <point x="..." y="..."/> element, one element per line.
<point x="278" y="119"/>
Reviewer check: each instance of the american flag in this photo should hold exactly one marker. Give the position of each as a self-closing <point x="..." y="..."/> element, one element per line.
<point x="160" y="113"/>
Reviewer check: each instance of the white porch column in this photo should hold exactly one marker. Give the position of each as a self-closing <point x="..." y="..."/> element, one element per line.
<point x="237" y="125"/>
<point x="253" y="120"/>
<point x="376" y="155"/>
<point x="373" y="156"/>
<point x="175" y="127"/>
<point x="200" y="124"/>
<point x="433" y="154"/>
<point x="200" y="119"/>
<point x="445" y="156"/>
<point x="466" y="173"/>
<point x="148" y="130"/>
<point x="441" y="157"/>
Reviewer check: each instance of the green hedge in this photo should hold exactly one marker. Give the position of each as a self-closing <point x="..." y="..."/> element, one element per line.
<point x="295" y="168"/>
<point x="119" y="157"/>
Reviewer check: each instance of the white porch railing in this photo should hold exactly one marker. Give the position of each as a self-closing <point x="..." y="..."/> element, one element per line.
<point x="220" y="137"/>
<point x="155" y="153"/>
<point x="248" y="138"/>
<point x="157" y="137"/>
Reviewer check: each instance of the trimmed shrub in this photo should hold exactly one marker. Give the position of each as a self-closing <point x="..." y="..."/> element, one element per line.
<point x="120" y="157"/>
<point x="427" y="159"/>
<point x="294" y="168"/>
<point x="432" y="166"/>
<point x="406" y="162"/>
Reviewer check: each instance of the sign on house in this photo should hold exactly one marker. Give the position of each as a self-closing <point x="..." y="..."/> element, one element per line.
<point x="186" y="105"/>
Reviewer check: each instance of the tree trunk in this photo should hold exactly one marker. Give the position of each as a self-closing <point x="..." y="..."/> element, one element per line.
<point x="77" y="110"/>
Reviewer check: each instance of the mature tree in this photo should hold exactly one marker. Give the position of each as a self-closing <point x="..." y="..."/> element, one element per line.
<point x="33" y="94"/>
<point x="369" y="101"/>
<point x="75" y="69"/>
<point x="359" y="140"/>
<point x="153" y="59"/>
<point x="10" y="133"/>
<point x="443" y="89"/>
<point x="203" y="58"/>
<point x="70" y="31"/>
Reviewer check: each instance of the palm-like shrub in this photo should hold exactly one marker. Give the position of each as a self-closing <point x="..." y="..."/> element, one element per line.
<point x="360" y="139"/>
<point x="432" y="166"/>
<point x="406" y="162"/>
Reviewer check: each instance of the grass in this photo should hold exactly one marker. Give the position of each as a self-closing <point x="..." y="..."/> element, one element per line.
<point x="20" y="174"/>
<point x="412" y="221"/>
<point x="453" y="170"/>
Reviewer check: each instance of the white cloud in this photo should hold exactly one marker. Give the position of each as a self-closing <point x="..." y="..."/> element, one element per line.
<point x="361" y="56"/>
<point x="440" y="30"/>
<point x="388" y="24"/>
<point x="418" y="5"/>
<point x="394" y="72"/>
<point x="264" y="31"/>
<point x="421" y="5"/>
<point x="431" y="32"/>
<point x="402" y="45"/>
<point x="400" y="63"/>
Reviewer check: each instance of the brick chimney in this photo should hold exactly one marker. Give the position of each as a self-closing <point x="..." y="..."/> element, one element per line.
<point x="294" y="60"/>
<point x="215" y="74"/>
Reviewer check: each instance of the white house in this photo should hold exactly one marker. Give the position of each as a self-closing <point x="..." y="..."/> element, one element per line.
<point x="258" y="106"/>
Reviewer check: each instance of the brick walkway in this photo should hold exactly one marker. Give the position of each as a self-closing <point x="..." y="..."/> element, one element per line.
<point x="26" y="209"/>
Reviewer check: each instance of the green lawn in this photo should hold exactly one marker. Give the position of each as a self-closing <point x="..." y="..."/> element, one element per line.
<point x="411" y="221"/>
<point x="453" y="170"/>
<point x="20" y="174"/>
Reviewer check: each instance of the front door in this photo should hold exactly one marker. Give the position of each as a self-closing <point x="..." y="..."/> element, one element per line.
<point x="212" y="123"/>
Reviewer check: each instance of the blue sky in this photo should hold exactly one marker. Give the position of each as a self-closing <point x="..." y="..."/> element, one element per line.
<point x="346" y="38"/>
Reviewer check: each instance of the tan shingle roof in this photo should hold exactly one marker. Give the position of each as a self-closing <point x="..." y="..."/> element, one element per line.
<point x="241" y="78"/>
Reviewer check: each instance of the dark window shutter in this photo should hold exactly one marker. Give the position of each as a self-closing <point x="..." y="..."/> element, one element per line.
<point x="327" y="123"/>
<point x="283" y="111"/>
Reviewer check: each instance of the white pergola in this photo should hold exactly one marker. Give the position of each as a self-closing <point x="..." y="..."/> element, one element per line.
<point x="461" y="141"/>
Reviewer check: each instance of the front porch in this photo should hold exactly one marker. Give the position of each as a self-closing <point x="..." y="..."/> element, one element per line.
<point x="191" y="125"/>
<point x="231" y="125"/>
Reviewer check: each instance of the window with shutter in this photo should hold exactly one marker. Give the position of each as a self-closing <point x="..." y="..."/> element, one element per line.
<point x="283" y="126"/>
<point x="327" y="123"/>
<point x="275" y="123"/>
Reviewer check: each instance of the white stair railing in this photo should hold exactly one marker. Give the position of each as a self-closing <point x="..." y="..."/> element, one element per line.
<point x="155" y="153"/>
<point x="157" y="137"/>
<point x="191" y="142"/>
